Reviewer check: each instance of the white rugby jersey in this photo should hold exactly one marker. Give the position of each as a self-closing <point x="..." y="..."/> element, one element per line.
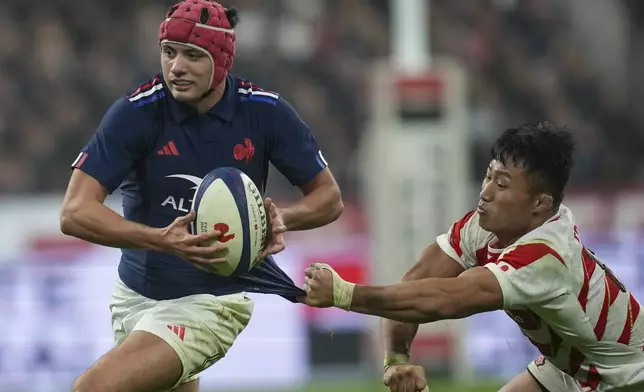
<point x="570" y="306"/>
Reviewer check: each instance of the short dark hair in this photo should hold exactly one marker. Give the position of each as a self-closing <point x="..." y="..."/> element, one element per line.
<point x="232" y="14"/>
<point x="545" y="153"/>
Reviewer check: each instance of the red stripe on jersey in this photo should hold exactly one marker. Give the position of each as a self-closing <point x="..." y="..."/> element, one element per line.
<point x="635" y="308"/>
<point x="166" y="150"/>
<point x="527" y="254"/>
<point x="250" y="85"/>
<point x="482" y="256"/>
<point x="144" y="87"/>
<point x="611" y="290"/>
<point x="600" y="327"/>
<point x="455" y="237"/>
<point x="81" y="160"/>
<point x="588" y="263"/>
<point x="632" y="313"/>
<point x="593" y="379"/>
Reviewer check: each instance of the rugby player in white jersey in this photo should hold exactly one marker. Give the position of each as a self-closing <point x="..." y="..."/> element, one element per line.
<point x="519" y="251"/>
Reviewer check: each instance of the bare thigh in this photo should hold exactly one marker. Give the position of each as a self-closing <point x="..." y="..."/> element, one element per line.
<point x="142" y="363"/>
<point x="524" y="382"/>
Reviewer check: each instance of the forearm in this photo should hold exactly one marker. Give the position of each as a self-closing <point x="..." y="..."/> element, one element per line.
<point x="318" y="208"/>
<point x="397" y="336"/>
<point x="404" y="301"/>
<point x="97" y="223"/>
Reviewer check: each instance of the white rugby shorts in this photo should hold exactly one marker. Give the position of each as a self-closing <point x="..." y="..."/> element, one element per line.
<point x="200" y="328"/>
<point x="553" y="379"/>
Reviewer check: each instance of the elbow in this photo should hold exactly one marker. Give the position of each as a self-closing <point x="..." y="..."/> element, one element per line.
<point x="337" y="209"/>
<point x="336" y="206"/>
<point x="66" y="223"/>
<point x="68" y="217"/>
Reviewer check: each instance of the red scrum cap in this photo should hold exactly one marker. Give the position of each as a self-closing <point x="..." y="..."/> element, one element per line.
<point x="204" y="25"/>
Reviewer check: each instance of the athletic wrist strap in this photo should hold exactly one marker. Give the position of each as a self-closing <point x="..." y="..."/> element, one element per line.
<point x="395" y="359"/>
<point x="343" y="294"/>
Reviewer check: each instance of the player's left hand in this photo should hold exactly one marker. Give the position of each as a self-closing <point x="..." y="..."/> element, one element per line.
<point x="405" y="377"/>
<point x="324" y="287"/>
<point x="275" y="242"/>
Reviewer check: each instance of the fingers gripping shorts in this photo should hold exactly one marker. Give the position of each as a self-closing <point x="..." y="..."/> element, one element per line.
<point x="200" y="328"/>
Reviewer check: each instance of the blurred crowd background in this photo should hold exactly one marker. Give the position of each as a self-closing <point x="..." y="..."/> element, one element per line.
<point x="65" y="62"/>
<point x="577" y="63"/>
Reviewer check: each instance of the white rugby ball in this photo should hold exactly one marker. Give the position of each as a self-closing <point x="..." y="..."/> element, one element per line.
<point x="228" y="201"/>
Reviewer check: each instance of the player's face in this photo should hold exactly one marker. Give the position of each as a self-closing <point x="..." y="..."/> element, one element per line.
<point x="507" y="205"/>
<point x="186" y="71"/>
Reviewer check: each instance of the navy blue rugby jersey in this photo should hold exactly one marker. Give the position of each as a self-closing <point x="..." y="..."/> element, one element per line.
<point x="156" y="150"/>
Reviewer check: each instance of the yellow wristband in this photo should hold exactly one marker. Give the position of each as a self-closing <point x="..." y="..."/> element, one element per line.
<point x="395" y="359"/>
<point x="342" y="294"/>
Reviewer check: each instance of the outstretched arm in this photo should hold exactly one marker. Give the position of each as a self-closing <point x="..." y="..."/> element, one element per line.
<point x="475" y="291"/>
<point x="397" y="336"/>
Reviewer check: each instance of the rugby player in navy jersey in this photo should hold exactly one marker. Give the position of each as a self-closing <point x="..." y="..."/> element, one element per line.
<point x="171" y="320"/>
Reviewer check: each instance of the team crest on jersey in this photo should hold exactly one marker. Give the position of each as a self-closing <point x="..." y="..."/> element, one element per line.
<point x="244" y="152"/>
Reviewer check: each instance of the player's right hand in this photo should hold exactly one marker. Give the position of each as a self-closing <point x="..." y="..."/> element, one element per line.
<point x="177" y="240"/>
<point x="405" y="378"/>
<point x="275" y="237"/>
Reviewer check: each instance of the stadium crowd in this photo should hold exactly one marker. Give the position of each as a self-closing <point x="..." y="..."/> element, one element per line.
<point x="64" y="62"/>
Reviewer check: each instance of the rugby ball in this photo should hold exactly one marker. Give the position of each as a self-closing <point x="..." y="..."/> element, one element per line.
<point x="228" y="201"/>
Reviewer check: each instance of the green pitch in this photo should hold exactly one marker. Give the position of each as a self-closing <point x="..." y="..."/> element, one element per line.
<point x="435" y="386"/>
